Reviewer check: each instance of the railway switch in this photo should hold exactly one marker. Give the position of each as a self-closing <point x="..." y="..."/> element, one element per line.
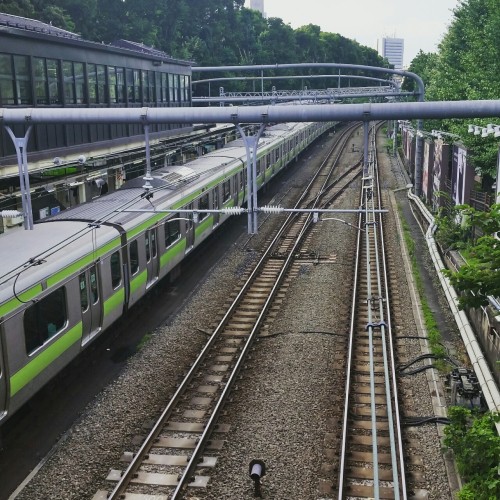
<point x="257" y="470"/>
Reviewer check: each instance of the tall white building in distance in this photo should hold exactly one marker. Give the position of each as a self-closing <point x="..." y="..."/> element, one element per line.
<point x="257" y="5"/>
<point x="393" y="50"/>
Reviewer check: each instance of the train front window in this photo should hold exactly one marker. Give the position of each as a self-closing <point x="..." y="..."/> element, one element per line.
<point x="44" y="319"/>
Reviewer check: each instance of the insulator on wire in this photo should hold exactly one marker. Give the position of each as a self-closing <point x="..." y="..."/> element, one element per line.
<point x="270" y="209"/>
<point x="233" y="210"/>
<point x="7" y="214"/>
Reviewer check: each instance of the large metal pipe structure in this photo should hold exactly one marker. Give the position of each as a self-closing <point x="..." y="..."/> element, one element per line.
<point x="334" y="95"/>
<point x="293" y="77"/>
<point x="353" y="67"/>
<point x="256" y="114"/>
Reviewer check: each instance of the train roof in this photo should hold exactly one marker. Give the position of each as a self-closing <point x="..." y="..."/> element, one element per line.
<point x="170" y="184"/>
<point x="34" y="255"/>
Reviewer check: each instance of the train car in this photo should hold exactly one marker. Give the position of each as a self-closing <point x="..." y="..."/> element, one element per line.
<point x="65" y="282"/>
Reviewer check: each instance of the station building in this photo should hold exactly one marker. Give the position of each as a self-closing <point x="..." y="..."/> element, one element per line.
<point x="44" y="66"/>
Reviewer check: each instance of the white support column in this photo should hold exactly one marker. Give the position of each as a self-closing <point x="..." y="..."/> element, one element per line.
<point x="366" y="130"/>
<point x="21" y="145"/>
<point x="251" y="143"/>
<point x="147" y="178"/>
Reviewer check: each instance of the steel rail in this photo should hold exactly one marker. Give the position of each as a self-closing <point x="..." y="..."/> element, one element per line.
<point x="347" y="397"/>
<point x="397" y="456"/>
<point x="376" y="266"/>
<point x="194" y="460"/>
<point x="148" y="443"/>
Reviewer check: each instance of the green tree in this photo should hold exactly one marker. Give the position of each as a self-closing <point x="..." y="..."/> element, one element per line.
<point x="466" y="67"/>
<point x="476" y="446"/>
<point x="480" y="277"/>
<point x="22" y="8"/>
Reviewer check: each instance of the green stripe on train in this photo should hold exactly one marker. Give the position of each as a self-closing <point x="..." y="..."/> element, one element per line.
<point x="138" y="281"/>
<point x="203" y="226"/>
<point x="173" y="252"/>
<point x="81" y="263"/>
<point x="14" y="303"/>
<point x="40" y="362"/>
<point x="145" y="225"/>
<point x="116" y="300"/>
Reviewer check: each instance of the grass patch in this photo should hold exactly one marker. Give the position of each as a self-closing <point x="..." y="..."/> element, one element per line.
<point x="431" y="326"/>
<point x="144" y="341"/>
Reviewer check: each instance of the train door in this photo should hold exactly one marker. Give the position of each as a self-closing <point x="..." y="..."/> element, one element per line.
<point x="189" y="229"/>
<point x="151" y="241"/>
<point x="90" y="302"/>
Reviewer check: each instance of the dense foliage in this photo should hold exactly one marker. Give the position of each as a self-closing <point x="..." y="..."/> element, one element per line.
<point x="476" y="445"/>
<point x="208" y="32"/>
<point x="480" y="277"/>
<point x="465" y="67"/>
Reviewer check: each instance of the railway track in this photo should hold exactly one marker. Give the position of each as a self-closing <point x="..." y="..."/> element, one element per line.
<point x="180" y="448"/>
<point x="372" y="462"/>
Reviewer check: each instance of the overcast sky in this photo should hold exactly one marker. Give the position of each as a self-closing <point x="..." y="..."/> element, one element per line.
<point x="422" y="23"/>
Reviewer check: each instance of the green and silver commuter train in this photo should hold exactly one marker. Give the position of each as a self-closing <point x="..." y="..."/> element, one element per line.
<point x="65" y="282"/>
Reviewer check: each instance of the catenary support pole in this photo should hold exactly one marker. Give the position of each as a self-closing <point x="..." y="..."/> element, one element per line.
<point x="366" y="132"/>
<point x="251" y="144"/>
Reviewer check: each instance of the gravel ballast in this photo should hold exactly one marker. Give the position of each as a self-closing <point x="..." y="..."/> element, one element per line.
<point x="288" y="398"/>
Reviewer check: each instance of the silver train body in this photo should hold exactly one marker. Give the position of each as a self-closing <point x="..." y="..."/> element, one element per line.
<point x="65" y="282"/>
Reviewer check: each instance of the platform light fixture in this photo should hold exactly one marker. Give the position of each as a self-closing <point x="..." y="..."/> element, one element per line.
<point x="491" y="128"/>
<point x="439" y="134"/>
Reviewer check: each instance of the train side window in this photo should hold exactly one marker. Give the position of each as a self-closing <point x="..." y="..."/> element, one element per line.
<point x="153" y="242"/>
<point x="116" y="274"/>
<point x="190" y="217"/>
<point x="94" y="286"/>
<point x="147" y="246"/>
<point x="258" y="167"/>
<point x="134" y="257"/>
<point x="84" y="298"/>
<point x="44" y="319"/>
<point x="268" y="161"/>
<point x="226" y="191"/>
<point x="172" y="231"/>
<point x="203" y="205"/>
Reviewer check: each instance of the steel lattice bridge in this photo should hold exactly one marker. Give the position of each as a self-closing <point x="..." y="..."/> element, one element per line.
<point x="305" y="95"/>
